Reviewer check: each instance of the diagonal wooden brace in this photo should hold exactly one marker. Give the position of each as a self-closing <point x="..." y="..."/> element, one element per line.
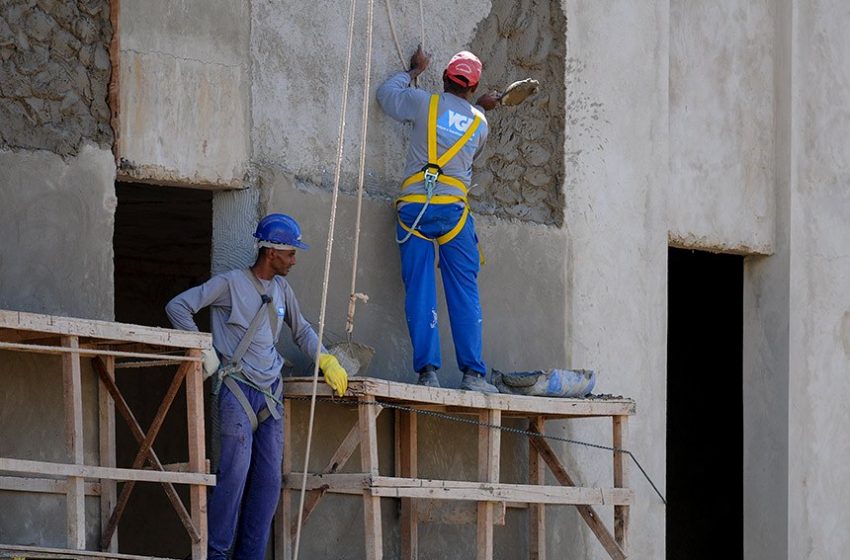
<point x="340" y="458"/>
<point x="587" y="512"/>
<point x="146" y="452"/>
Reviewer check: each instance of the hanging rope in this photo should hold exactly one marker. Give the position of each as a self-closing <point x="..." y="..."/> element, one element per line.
<point x="352" y="299"/>
<point x="328" y="251"/>
<point x="393" y="33"/>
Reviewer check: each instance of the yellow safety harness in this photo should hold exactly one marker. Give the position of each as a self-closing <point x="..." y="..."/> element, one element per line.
<point x="432" y="173"/>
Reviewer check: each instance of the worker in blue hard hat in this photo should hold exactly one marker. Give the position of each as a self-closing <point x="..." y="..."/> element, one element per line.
<point x="448" y="134"/>
<point x="248" y="308"/>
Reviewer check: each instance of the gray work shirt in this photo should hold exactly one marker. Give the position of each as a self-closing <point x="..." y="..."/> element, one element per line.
<point x="454" y="115"/>
<point x="233" y="302"/>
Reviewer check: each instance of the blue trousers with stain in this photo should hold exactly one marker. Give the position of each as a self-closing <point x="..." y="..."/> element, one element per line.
<point x="459" y="266"/>
<point x="244" y="499"/>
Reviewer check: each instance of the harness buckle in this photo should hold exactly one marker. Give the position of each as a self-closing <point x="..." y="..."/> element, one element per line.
<point x="430" y="173"/>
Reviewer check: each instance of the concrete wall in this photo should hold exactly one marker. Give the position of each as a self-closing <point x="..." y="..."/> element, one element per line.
<point x="184" y="92"/>
<point x="721" y="194"/>
<point x="57" y="205"/>
<point x="819" y="337"/>
<point x="617" y="241"/>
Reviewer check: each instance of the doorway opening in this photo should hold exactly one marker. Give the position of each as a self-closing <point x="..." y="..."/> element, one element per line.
<point x="163" y="246"/>
<point x="705" y="457"/>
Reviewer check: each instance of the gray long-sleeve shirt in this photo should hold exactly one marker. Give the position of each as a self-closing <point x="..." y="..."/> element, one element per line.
<point x="233" y="302"/>
<point x="454" y="115"/>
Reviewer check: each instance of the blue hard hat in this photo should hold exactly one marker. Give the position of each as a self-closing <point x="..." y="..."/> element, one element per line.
<point x="280" y="229"/>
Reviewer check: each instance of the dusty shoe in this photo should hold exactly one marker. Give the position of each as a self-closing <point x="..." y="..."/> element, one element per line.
<point x="475" y="382"/>
<point x="428" y="378"/>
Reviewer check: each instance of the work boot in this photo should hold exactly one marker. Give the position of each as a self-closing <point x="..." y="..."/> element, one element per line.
<point x="476" y="382"/>
<point x="428" y="377"/>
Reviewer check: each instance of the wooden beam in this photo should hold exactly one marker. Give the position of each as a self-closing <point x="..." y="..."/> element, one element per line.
<point x="621" y="480"/>
<point x="283" y="519"/>
<point x="44" y="485"/>
<point x="407" y="444"/>
<point x="65" y="554"/>
<point x="489" y="457"/>
<point x="89" y="328"/>
<point x="106" y="446"/>
<point x="536" y="512"/>
<point x="367" y="415"/>
<point x="73" y="398"/>
<point x="197" y="450"/>
<point x="587" y="513"/>
<point x="39" y="349"/>
<point x="117" y="399"/>
<point x="89" y="471"/>
<point x="405" y="392"/>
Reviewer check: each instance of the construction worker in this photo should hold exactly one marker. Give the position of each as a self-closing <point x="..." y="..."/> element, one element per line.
<point x="448" y="134"/>
<point x="248" y="308"/>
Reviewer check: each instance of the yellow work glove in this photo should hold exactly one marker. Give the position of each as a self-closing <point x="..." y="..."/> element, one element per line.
<point x="335" y="374"/>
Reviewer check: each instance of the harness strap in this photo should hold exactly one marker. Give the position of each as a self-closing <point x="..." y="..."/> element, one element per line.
<point x="438" y="162"/>
<point x="264" y="295"/>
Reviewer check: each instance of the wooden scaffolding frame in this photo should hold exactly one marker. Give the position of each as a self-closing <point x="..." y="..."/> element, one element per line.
<point x="110" y="346"/>
<point x="421" y="499"/>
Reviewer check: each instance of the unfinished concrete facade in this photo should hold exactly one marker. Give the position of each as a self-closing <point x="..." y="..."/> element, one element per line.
<point x="714" y="127"/>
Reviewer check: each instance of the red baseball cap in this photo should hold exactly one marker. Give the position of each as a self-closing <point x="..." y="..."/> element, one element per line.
<point x="464" y="68"/>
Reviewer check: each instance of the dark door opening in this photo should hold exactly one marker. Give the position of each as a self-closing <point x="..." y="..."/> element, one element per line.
<point x="162" y="244"/>
<point x="705" y="406"/>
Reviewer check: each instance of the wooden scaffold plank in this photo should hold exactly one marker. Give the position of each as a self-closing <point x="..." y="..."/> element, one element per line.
<point x="621" y="480"/>
<point x="536" y="512"/>
<point x="408" y="466"/>
<point x="197" y="450"/>
<point x="489" y="456"/>
<point x="367" y="416"/>
<point x="75" y="486"/>
<point x="107" y="448"/>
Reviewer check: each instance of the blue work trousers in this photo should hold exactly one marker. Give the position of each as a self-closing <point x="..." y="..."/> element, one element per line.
<point x="459" y="266"/>
<point x="244" y="499"/>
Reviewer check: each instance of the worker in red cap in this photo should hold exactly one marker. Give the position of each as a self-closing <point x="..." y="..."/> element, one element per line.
<point x="448" y="134"/>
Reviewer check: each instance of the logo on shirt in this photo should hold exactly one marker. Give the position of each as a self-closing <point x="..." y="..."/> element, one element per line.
<point x="456" y="124"/>
<point x="280" y="311"/>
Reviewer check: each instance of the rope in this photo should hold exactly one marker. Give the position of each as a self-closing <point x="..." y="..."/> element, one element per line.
<point x="352" y="301"/>
<point x="518" y="431"/>
<point x="393" y="33"/>
<point x="328" y="251"/>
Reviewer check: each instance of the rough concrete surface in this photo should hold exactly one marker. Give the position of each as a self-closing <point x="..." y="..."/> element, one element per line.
<point x="298" y="69"/>
<point x="721" y="125"/>
<point x="617" y="238"/>
<point x="56" y="220"/>
<point x="31" y="414"/>
<point x="520" y="174"/>
<point x="54" y="74"/>
<point x="184" y="92"/>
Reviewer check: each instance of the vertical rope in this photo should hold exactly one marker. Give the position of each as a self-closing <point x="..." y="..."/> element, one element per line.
<point x="352" y="302"/>
<point x="392" y="31"/>
<point x="328" y="251"/>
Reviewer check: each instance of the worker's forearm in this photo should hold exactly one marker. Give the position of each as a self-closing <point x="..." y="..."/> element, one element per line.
<point x="180" y="314"/>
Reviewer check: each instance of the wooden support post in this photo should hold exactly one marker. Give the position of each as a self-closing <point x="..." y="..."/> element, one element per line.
<point x="106" y="432"/>
<point x="489" y="446"/>
<point x="621" y="480"/>
<point x="197" y="451"/>
<point x="73" y="397"/>
<point x="408" y="467"/>
<point x="367" y="415"/>
<point x="283" y="518"/>
<point x="536" y="512"/>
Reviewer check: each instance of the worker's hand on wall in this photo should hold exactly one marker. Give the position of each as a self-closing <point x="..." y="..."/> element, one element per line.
<point x="489" y="101"/>
<point x="335" y="374"/>
<point x="419" y="62"/>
